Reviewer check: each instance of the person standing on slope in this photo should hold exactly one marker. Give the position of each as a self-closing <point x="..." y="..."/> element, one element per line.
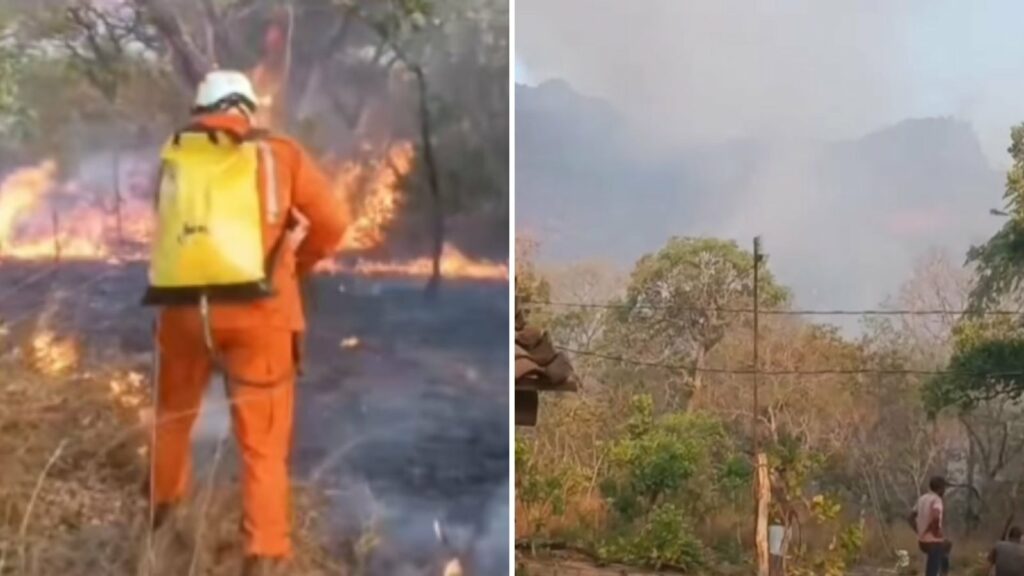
<point x="926" y="519"/>
<point x="242" y="215"/>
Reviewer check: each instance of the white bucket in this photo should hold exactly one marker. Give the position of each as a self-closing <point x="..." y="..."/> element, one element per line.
<point x="776" y="534"/>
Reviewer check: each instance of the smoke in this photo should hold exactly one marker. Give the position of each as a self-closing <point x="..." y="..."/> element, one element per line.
<point x="698" y="70"/>
<point x="853" y="136"/>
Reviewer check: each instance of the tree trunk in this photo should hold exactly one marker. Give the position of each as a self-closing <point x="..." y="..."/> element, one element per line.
<point x="56" y="235"/>
<point x="283" y="111"/>
<point x="437" y="210"/>
<point x="117" y="197"/>
<point x="188" y="61"/>
<point x="696" y="380"/>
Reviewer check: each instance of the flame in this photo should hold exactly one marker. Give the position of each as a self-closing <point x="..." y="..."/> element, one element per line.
<point x="378" y="182"/>
<point x="42" y="218"/>
<point x="21" y="193"/>
<point x="453" y="568"/>
<point x="32" y="226"/>
<point x="127" y="389"/>
<point x="454" y="264"/>
<point x="52" y="355"/>
<point x="36" y="221"/>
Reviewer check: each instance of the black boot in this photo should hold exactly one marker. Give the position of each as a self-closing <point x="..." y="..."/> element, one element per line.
<point x="162" y="513"/>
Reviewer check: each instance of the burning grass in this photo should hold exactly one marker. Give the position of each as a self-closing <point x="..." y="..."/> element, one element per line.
<point x="43" y="218"/>
<point x="73" y="453"/>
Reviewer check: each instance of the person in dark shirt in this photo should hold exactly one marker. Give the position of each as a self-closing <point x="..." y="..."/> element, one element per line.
<point x="1007" y="557"/>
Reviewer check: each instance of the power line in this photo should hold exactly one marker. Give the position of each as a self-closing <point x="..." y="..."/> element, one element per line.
<point x="771" y="312"/>
<point x="821" y="372"/>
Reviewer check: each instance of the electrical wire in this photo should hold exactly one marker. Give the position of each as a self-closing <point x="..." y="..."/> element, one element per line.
<point x="822" y="372"/>
<point x="772" y="312"/>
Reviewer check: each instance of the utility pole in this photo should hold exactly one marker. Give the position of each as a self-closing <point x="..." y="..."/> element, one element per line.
<point x="762" y="488"/>
<point x="757" y="302"/>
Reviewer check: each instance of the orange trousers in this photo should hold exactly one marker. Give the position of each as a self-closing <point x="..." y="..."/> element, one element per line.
<point x="261" y="389"/>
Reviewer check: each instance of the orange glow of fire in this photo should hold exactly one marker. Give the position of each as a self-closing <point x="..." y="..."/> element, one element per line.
<point x="454" y="264"/>
<point x="20" y="194"/>
<point x="41" y="218"/>
<point x="371" y="196"/>
<point x="80" y="231"/>
<point x="52" y="355"/>
<point x="128" y="390"/>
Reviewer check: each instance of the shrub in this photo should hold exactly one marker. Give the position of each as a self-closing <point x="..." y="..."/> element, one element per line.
<point x="664" y="539"/>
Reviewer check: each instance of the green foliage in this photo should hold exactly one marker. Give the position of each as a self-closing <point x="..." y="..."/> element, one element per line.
<point x="850" y="542"/>
<point x="676" y="457"/>
<point x="825" y="509"/>
<point x="664" y="540"/>
<point x="987" y="363"/>
<point x="988" y="356"/>
<point x="794" y="465"/>
<point x="15" y="114"/>
<point x="680" y="303"/>
<point x="702" y="273"/>
<point x="1000" y="261"/>
<point x="661" y="473"/>
<point x="845" y="547"/>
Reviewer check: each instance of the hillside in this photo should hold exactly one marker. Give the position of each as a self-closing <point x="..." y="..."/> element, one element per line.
<point x="589" y="186"/>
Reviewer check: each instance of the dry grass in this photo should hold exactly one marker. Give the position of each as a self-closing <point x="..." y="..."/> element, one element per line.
<point x="582" y="512"/>
<point x="72" y="464"/>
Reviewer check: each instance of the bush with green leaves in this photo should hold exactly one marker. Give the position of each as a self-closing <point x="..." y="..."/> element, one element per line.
<point x="685" y="458"/>
<point x="664" y="539"/>
<point x="662" y="473"/>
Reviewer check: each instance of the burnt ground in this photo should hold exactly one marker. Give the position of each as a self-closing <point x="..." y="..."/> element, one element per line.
<point x="409" y="426"/>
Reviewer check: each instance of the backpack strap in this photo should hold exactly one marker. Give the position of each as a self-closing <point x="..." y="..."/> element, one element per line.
<point x="214" y="134"/>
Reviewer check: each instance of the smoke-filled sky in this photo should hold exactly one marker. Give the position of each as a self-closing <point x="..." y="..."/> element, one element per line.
<point x="844" y="222"/>
<point x="837" y="69"/>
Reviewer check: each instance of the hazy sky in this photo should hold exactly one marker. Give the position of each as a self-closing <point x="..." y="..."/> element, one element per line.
<point x="832" y="69"/>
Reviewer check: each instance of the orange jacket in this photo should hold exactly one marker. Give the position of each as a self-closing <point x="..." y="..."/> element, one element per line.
<point x="299" y="185"/>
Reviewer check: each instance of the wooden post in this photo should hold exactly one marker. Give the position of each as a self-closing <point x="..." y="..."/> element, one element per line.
<point x="763" y="500"/>
<point x="762" y="486"/>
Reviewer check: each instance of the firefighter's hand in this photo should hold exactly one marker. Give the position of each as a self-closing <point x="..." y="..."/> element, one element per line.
<point x="298" y="228"/>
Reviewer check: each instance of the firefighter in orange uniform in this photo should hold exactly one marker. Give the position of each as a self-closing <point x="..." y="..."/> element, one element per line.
<point x="256" y="342"/>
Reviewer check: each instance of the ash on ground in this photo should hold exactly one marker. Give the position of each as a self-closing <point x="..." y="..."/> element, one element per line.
<point x="407" y="428"/>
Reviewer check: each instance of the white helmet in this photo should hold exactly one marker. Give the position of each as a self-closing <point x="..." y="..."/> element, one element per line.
<point x="225" y="87"/>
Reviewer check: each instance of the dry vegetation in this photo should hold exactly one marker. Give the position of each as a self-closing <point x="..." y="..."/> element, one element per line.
<point x="73" y="449"/>
<point x="649" y="465"/>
